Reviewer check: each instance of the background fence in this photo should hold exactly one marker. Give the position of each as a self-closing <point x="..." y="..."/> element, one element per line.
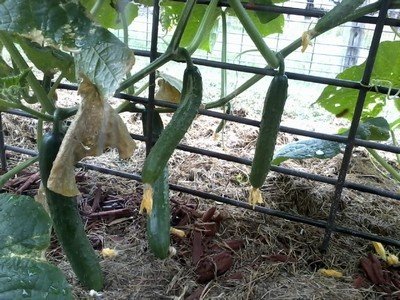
<point x="374" y="27"/>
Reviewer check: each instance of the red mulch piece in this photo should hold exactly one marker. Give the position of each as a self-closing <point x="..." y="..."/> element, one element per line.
<point x="382" y="277"/>
<point x="207" y="216"/>
<point x="197" y="247"/>
<point x="34" y="178"/>
<point x="215" y="265"/>
<point x="196" y="294"/>
<point x="96" y="199"/>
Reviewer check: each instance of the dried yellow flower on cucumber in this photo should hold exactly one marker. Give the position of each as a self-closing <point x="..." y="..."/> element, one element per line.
<point x="96" y="127"/>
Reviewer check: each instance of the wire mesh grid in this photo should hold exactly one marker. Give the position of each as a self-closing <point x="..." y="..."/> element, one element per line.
<point x="340" y="183"/>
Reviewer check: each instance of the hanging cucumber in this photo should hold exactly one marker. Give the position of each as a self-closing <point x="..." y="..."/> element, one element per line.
<point x="158" y="221"/>
<point x="274" y="104"/>
<point x="191" y="96"/>
<point x="65" y="216"/>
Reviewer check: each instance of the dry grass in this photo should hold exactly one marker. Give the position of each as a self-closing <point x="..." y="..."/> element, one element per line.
<point x="255" y="274"/>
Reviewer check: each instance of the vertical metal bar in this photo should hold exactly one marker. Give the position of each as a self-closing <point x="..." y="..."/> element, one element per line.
<point x="355" y="122"/>
<point x="3" y="158"/>
<point x="152" y="76"/>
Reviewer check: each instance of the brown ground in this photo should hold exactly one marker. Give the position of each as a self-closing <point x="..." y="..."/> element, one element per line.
<point x="232" y="253"/>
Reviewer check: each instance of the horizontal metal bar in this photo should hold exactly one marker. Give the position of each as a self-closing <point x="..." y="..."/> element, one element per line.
<point x="315" y="13"/>
<point x="290" y="75"/>
<point x="226" y="200"/>
<point x="278" y="169"/>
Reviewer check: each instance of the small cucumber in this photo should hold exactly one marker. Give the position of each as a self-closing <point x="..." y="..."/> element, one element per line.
<point x="67" y="222"/>
<point x="269" y="127"/>
<point x="192" y="92"/>
<point x="158" y="221"/>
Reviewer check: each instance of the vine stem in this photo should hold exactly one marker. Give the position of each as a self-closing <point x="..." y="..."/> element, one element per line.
<point x="206" y="22"/>
<point x="35" y="113"/>
<point x="254" y="34"/>
<point x="384" y="164"/>
<point x="170" y="53"/>
<point x="14" y="171"/>
<point x="39" y="91"/>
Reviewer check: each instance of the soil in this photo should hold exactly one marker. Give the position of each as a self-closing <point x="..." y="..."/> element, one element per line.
<point x="228" y="252"/>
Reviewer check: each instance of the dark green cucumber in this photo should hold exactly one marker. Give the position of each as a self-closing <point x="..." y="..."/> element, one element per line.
<point x="269" y="127"/>
<point x="67" y="222"/>
<point x="192" y="91"/>
<point x="158" y="221"/>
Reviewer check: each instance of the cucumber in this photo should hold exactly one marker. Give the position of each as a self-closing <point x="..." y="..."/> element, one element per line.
<point x="192" y="92"/>
<point x="67" y="222"/>
<point x="274" y="104"/>
<point x="158" y="221"/>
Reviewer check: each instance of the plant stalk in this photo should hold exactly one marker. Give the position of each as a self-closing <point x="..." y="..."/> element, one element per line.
<point x="206" y="22"/>
<point x="22" y="65"/>
<point x="14" y="171"/>
<point x="254" y="34"/>
<point x="392" y="171"/>
<point x="394" y="139"/>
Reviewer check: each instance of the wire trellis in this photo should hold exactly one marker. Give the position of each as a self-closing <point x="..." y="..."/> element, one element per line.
<point x="340" y="183"/>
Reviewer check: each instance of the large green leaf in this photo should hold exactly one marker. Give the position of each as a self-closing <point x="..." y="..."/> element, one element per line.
<point x="341" y="101"/>
<point x="102" y="57"/>
<point x="170" y="14"/>
<point x="371" y="129"/>
<point x="24" y="235"/>
<point x="108" y="16"/>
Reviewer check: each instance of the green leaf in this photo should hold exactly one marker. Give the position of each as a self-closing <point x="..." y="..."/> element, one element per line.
<point x="48" y="59"/>
<point x="170" y="14"/>
<point x="371" y="129"/>
<point x="5" y="69"/>
<point x="341" y="101"/>
<point x="24" y="226"/>
<point x="26" y="278"/>
<point x="24" y="235"/>
<point x="274" y="26"/>
<point x="108" y="16"/>
<point x="266" y="17"/>
<point x="102" y="57"/>
<point x="304" y="149"/>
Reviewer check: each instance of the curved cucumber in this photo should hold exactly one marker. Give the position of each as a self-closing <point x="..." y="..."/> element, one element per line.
<point x="67" y="221"/>
<point x="192" y="92"/>
<point x="158" y="221"/>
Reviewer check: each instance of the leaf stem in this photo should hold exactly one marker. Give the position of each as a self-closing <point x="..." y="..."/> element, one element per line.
<point x="18" y="168"/>
<point x="22" y="65"/>
<point x="39" y="115"/>
<point x="206" y="22"/>
<point x="247" y="84"/>
<point x="124" y="27"/>
<point x="128" y="105"/>
<point x="169" y="54"/>
<point x="394" y="139"/>
<point x="96" y="7"/>
<point x="254" y="34"/>
<point x="393" y="172"/>
<point x="180" y="28"/>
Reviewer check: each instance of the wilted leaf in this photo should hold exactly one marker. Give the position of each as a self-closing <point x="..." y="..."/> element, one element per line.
<point x="25" y="234"/>
<point x="96" y="127"/>
<point x="169" y="88"/>
<point x="341" y="101"/>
